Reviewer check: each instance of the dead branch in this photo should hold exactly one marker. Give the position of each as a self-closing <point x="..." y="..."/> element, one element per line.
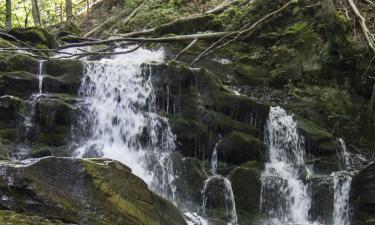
<point x="185" y="49"/>
<point x="86" y="53"/>
<point x="242" y="32"/>
<point x="131" y="15"/>
<point x="362" y="22"/>
<point x="14" y="39"/>
<point x="25" y="53"/>
<point x="175" y="38"/>
<point x="220" y="8"/>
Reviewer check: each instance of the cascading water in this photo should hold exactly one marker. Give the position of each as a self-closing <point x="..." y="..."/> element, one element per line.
<point x="120" y="112"/>
<point x="230" y="204"/>
<point x="285" y="196"/>
<point x="341" y="185"/>
<point x="28" y="115"/>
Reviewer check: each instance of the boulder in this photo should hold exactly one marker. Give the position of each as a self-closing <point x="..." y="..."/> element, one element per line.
<point x="81" y="191"/>
<point x="20" y="83"/>
<point x="362" y="196"/>
<point x="246" y="186"/>
<point x="237" y="147"/>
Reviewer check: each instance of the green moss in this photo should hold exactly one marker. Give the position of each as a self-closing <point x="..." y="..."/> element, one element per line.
<point x="13" y="218"/>
<point x="237" y="147"/>
<point x="246" y="186"/>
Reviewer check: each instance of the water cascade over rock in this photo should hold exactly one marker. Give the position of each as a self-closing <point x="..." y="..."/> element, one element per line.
<point x="223" y="184"/>
<point x="121" y="121"/>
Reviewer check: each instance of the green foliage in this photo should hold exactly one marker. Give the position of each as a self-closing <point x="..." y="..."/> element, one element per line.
<point x="52" y="12"/>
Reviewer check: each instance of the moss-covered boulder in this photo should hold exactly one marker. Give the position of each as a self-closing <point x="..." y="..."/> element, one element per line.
<point x="237" y="147"/>
<point x="90" y="191"/>
<point x="21" y="62"/>
<point x="320" y="140"/>
<point x="35" y="36"/>
<point x="13" y="218"/>
<point x="63" y="67"/>
<point x="19" y="83"/>
<point x="247" y="186"/>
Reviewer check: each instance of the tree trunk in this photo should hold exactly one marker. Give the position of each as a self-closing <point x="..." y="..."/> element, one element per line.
<point x="8" y="15"/>
<point x="69" y="10"/>
<point x="36" y="12"/>
<point x="87" y="6"/>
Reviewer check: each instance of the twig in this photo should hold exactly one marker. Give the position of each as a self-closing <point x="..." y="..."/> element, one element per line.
<point x="185" y="49"/>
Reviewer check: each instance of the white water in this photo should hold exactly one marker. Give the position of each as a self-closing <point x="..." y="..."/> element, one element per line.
<point x="285" y="197"/>
<point x="28" y="116"/>
<point x="120" y="111"/>
<point x="341" y="186"/>
<point x="341" y="209"/>
<point x="230" y="203"/>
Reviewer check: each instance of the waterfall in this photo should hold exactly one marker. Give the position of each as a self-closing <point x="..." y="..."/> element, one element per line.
<point x="341" y="185"/>
<point x="341" y="210"/>
<point x="230" y="204"/>
<point x="285" y="196"/>
<point x="120" y="113"/>
<point x="26" y="128"/>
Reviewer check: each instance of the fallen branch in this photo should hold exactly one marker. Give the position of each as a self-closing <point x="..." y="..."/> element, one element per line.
<point x="239" y="34"/>
<point x="101" y="53"/>
<point x="362" y="22"/>
<point x="220" y="8"/>
<point x="131" y="15"/>
<point x="185" y="49"/>
<point x="14" y="39"/>
<point x="25" y="53"/>
<point x="175" y="38"/>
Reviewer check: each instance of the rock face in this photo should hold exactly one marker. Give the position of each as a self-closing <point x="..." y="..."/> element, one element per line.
<point x="362" y="196"/>
<point x="79" y="191"/>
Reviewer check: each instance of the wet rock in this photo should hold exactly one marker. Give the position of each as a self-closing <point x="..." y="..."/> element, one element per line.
<point x="63" y="67"/>
<point x="91" y="191"/>
<point x="362" y="196"/>
<point x="246" y="186"/>
<point x="323" y="142"/>
<point x="322" y="198"/>
<point x="20" y="84"/>
<point x="237" y="147"/>
<point x="9" y="106"/>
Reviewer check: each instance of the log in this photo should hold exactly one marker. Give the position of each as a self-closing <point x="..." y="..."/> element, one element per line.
<point x="176" y="38"/>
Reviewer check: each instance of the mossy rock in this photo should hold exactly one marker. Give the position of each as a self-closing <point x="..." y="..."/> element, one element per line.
<point x="13" y="218"/>
<point x="19" y="84"/>
<point x="323" y="143"/>
<point x="246" y="186"/>
<point x="56" y="137"/>
<point x="9" y="106"/>
<point x="63" y="67"/>
<point x="77" y="191"/>
<point x="237" y="147"/>
<point x="34" y="35"/>
<point x="66" y="84"/>
<point x="21" y="62"/>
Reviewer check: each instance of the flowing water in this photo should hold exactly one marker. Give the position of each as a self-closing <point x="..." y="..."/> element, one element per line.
<point x="26" y="127"/>
<point x="120" y="113"/>
<point x="120" y="122"/>
<point x="286" y="196"/>
<point x="230" y="204"/>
